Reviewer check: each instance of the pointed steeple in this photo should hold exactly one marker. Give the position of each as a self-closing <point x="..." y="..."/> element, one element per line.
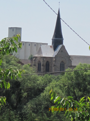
<point x="57" y="36"/>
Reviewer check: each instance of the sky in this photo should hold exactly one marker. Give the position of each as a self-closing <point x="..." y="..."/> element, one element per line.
<point x="38" y="21"/>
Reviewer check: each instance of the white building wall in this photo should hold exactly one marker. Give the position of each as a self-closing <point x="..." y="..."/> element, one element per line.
<point x="12" y="31"/>
<point x="21" y="53"/>
<point x="28" y="48"/>
<point x="38" y="46"/>
<point x="33" y="48"/>
<point x="27" y="52"/>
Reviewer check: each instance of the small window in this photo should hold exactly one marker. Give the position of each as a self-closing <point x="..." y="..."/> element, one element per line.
<point x="29" y="44"/>
<point x="35" y="45"/>
<point x="62" y="66"/>
<point x="23" y="43"/>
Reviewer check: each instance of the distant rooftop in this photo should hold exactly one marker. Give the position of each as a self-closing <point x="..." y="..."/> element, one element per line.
<point x="15" y="27"/>
<point x="34" y="42"/>
<point x="76" y="59"/>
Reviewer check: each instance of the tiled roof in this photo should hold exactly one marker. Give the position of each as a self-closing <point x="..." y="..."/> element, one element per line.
<point x="76" y="59"/>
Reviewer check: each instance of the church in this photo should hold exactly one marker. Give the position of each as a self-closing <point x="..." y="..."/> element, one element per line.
<point x="55" y="58"/>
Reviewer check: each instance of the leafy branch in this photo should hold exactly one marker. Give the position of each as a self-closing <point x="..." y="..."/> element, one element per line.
<point x="7" y="46"/>
<point x="82" y="106"/>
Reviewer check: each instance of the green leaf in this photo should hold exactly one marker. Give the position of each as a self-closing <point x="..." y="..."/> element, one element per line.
<point x="57" y="99"/>
<point x="11" y="76"/>
<point x="4" y="99"/>
<point x="71" y="118"/>
<point x="89" y="98"/>
<point x="15" y="49"/>
<point x="0" y="62"/>
<point x="53" y="95"/>
<point x="8" y="85"/>
<point x="50" y="91"/>
<point x="89" y="47"/>
<point x="70" y="97"/>
<point x="52" y="109"/>
<point x="71" y="104"/>
<point x="82" y="99"/>
<point x="5" y="84"/>
<point x="62" y="100"/>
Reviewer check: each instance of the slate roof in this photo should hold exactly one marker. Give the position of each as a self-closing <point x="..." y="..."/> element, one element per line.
<point x="58" y="30"/>
<point x="76" y="59"/>
<point x="57" y="50"/>
<point x="57" y="38"/>
<point x="45" y="51"/>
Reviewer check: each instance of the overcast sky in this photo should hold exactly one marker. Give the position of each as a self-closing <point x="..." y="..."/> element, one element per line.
<point x="38" y="21"/>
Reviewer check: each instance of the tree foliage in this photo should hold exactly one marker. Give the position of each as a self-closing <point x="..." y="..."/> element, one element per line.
<point x="75" y="110"/>
<point x="76" y="94"/>
<point x="7" y="46"/>
<point x="28" y="98"/>
<point x="30" y="57"/>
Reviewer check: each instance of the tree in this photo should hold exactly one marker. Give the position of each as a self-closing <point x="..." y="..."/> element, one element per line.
<point x="28" y="98"/>
<point x="75" y="110"/>
<point x="7" y="46"/>
<point x="77" y="82"/>
<point x="31" y="58"/>
<point x="76" y="91"/>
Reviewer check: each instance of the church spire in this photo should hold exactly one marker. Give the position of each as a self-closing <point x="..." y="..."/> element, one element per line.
<point x="57" y="36"/>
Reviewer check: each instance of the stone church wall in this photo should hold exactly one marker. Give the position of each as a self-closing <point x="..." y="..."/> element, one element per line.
<point x="43" y="61"/>
<point x="62" y="56"/>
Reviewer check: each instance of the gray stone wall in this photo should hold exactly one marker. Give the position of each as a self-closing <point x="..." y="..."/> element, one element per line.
<point x="43" y="61"/>
<point x="62" y="56"/>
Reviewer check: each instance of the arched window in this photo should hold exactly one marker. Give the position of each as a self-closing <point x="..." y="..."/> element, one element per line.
<point x="39" y="66"/>
<point x="47" y="66"/>
<point x="62" y="66"/>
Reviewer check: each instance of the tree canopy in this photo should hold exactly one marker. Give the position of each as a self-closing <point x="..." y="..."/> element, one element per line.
<point x="7" y="46"/>
<point x="76" y="93"/>
<point x="28" y="97"/>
